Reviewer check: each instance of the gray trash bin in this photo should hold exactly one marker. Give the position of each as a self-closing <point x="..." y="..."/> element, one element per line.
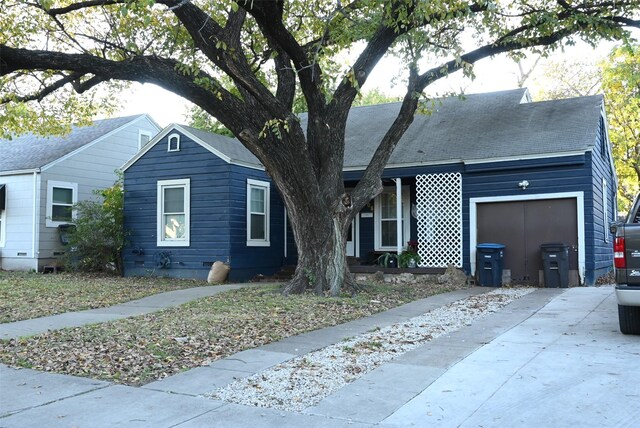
<point x="555" y="262"/>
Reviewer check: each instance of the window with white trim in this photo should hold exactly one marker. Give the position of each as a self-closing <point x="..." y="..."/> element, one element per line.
<point x="258" y="194"/>
<point x="605" y="209"/>
<point x="173" y="213"/>
<point x="2" y="222"/>
<point x="173" y="144"/>
<point x="143" y="138"/>
<point x="2" y="226"/>
<point x="61" y="196"/>
<point x="2" y="213"/>
<point x="386" y="230"/>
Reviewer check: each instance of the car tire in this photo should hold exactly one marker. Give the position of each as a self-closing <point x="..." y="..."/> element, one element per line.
<point x="629" y="317"/>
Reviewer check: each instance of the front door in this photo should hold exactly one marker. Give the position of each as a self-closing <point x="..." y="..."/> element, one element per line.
<point x="352" y="236"/>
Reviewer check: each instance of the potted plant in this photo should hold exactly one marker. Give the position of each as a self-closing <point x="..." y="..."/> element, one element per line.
<point x="408" y="259"/>
<point x="388" y="260"/>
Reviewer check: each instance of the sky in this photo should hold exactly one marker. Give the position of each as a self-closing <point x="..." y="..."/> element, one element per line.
<point x="492" y="74"/>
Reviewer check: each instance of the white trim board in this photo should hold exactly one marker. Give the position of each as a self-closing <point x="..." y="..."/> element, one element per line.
<point x="473" y="221"/>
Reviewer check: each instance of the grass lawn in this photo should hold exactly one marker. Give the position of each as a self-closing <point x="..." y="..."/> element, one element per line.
<point x="142" y="349"/>
<point x="26" y="295"/>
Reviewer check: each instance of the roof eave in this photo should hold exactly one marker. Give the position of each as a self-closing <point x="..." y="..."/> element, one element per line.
<point x="20" y="171"/>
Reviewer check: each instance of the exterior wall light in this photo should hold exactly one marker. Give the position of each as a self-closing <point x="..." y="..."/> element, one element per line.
<point x="523" y="184"/>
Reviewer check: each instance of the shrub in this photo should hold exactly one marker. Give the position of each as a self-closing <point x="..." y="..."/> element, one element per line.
<point x="98" y="239"/>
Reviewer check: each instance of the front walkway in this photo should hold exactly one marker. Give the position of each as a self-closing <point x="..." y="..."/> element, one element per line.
<point x="142" y="306"/>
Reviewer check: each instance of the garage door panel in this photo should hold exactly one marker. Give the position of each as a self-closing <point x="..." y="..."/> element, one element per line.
<point x="503" y="223"/>
<point x="551" y="220"/>
<point x="522" y="226"/>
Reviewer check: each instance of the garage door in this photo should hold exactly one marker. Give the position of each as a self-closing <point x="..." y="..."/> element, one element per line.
<point x="525" y="225"/>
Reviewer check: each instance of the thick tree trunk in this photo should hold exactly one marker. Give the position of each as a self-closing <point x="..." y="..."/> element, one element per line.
<point x="321" y="244"/>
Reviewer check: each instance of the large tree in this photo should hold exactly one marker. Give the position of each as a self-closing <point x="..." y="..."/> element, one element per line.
<point x="621" y="85"/>
<point x="242" y="62"/>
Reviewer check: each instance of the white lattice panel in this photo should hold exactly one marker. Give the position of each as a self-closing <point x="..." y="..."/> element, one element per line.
<point x="439" y="216"/>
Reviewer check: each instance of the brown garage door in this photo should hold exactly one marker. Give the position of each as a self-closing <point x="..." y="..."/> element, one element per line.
<point x="525" y="225"/>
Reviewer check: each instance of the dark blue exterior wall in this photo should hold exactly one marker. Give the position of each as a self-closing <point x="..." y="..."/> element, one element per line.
<point x="217" y="215"/>
<point x="247" y="261"/>
<point x="575" y="173"/>
<point x="497" y="179"/>
<point x="598" y="237"/>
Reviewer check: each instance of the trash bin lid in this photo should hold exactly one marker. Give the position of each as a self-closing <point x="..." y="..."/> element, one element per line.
<point x="490" y="246"/>
<point x="552" y="245"/>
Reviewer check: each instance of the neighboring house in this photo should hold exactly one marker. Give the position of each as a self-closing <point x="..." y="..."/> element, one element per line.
<point x="41" y="178"/>
<point x="490" y="167"/>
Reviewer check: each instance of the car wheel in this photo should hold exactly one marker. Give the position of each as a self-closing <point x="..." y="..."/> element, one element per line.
<point x="629" y="317"/>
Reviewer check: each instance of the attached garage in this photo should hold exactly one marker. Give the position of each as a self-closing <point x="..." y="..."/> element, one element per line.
<point x="524" y="225"/>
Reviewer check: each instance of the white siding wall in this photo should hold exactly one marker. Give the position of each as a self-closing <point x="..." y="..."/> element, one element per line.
<point x="91" y="168"/>
<point x="17" y="253"/>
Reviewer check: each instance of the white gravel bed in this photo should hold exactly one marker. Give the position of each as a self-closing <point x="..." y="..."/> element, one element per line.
<point x="301" y="382"/>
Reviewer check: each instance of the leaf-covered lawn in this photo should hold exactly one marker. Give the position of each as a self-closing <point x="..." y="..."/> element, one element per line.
<point x="139" y="350"/>
<point x="26" y="295"/>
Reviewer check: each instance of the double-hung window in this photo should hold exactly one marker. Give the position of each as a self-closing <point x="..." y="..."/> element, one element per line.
<point x="386" y="222"/>
<point x="173" y="213"/>
<point x="61" y="196"/>
<point x="257" y="213"/>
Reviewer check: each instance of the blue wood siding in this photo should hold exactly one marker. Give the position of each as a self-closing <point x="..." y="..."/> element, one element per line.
<point x="209" y="211"/>
<point x="554" y="175"/>
<point x="248" y="261"/>
<point x="598" y="238"/>
<point x="218" y="226"/>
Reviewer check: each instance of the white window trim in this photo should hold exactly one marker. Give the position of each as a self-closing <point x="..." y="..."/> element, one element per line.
<point x="169" y="138"/>
<point x="267" y="231"/>
<point x="605" y="209"/>
<point x="377" y="215"/>
<point x="142" y="132"/>
<point x="64" y="185"/>
<point x="181" y="242"/>
<point x="3" y="227"/>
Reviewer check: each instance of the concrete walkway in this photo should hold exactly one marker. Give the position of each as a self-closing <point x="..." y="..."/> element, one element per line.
<point x="142" y="306"/>
<point x="552" y="358"/>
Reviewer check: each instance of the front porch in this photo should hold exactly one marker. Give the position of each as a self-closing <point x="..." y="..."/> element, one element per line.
<point x="419" y="214"/>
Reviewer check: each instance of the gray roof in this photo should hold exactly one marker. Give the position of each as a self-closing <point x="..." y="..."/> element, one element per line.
<point x="30" y="151"/>
<point x="476" y="128"/>
<point x="230" y="147"/>
<point x="479" y="127"/>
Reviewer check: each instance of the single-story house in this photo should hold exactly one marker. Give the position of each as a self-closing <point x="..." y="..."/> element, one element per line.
<point x="491" y="167"/>
<point x="41" y="178"/>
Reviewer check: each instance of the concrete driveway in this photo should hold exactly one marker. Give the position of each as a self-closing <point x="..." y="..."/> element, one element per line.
<point x="554" y="358"/>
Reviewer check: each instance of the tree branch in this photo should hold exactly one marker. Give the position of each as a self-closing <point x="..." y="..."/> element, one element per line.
<point x="47" y="90"/>
<point x="213" y="41"/>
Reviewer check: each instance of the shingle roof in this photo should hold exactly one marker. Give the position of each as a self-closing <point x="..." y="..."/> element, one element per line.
<point x="478" y="127"/>
<point x="230" y="147"/>
<point x="29" y="151"/>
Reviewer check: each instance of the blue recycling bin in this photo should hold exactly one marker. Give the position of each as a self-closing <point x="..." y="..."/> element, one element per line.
<point x="489" y="264"/>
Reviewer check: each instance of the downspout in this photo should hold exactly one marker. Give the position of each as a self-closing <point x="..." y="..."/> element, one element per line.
<point x="398" y="214"/>
<point x="35" y="247"/>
